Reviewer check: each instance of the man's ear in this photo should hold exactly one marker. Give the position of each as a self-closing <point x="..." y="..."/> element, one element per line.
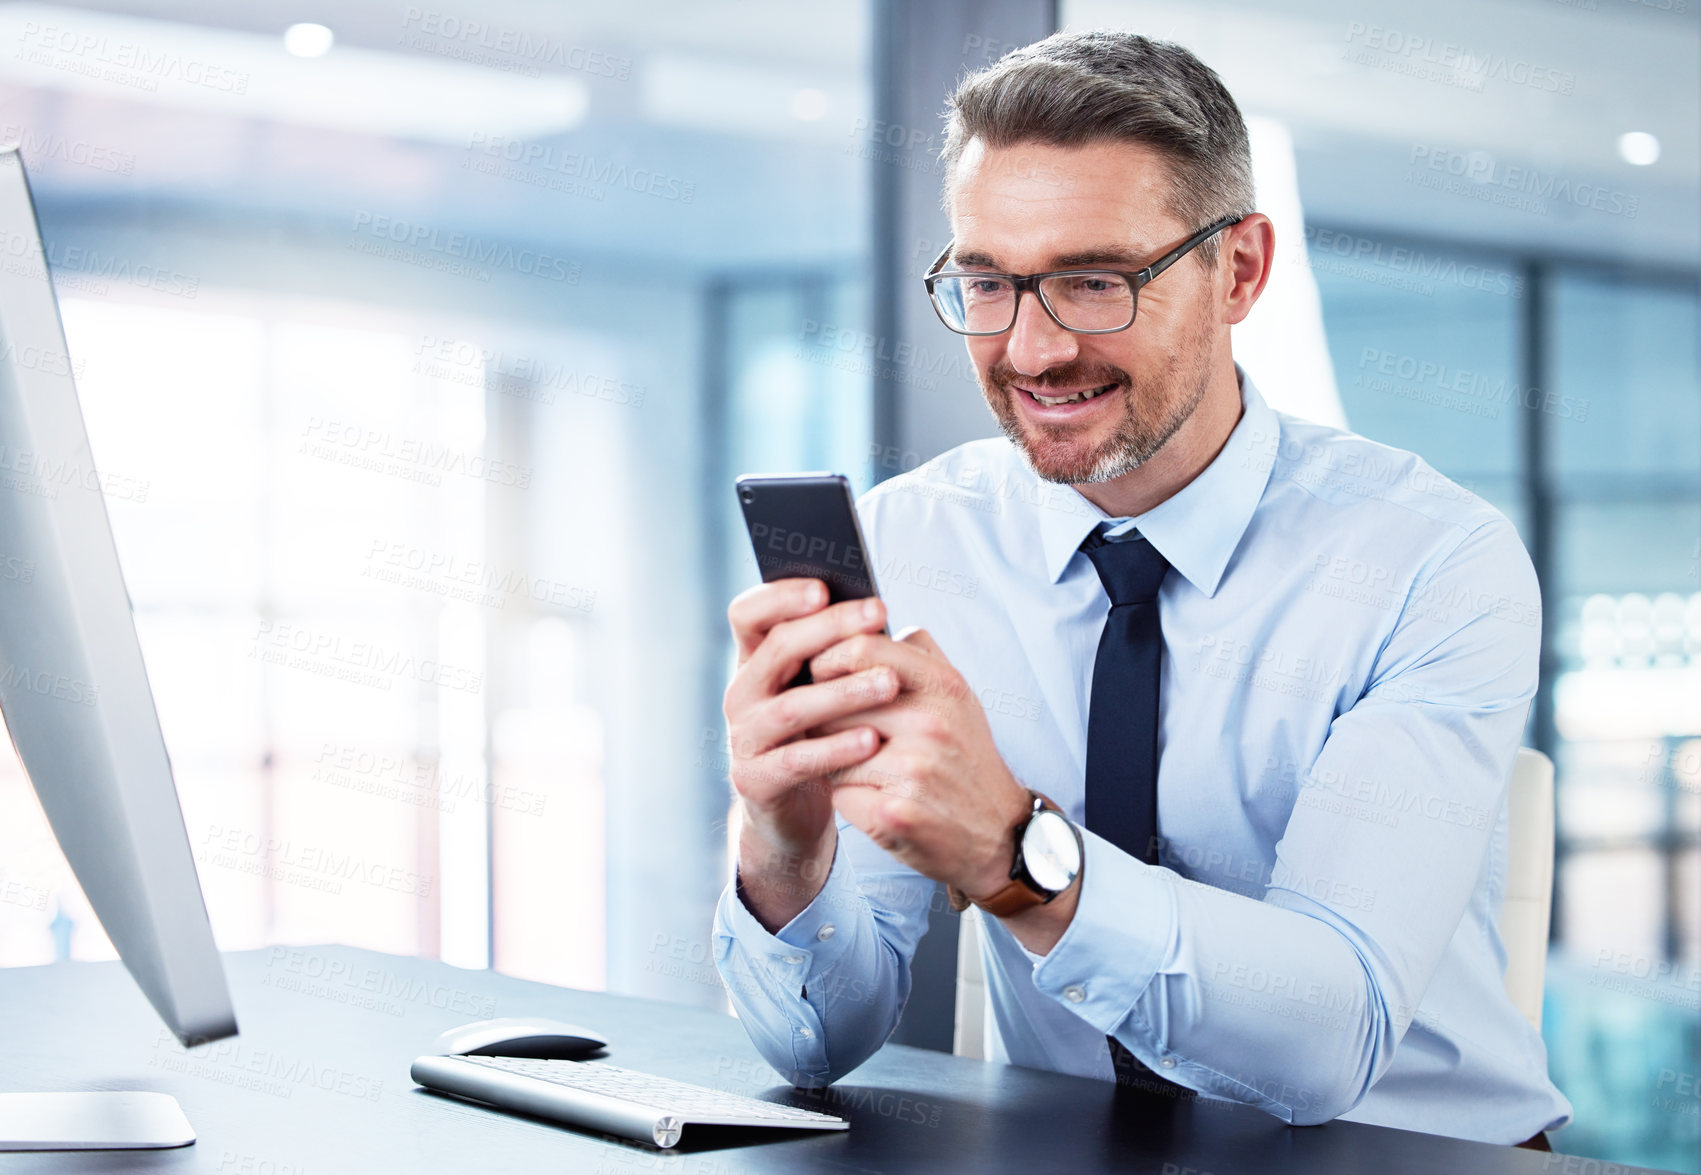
<point x="1250" y="253"/>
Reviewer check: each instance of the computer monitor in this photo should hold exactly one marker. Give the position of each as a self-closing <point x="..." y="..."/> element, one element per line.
<point x="75" y="697"/>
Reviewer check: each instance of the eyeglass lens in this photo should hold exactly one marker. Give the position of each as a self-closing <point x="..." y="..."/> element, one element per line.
<point x="1081" y="301"/>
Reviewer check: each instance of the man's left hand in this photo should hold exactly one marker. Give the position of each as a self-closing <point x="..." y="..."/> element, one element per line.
<point x="937" y="795"/>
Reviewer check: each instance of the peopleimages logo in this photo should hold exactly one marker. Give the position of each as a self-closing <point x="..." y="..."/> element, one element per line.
<point x="37" y="145"/>
<point x="48" y="684"/>
<point x="417" y="237"/>
<point x="523" y="377"/>
<point x="40" y="359"/>
<point x="410" y="458"/>
<point x="1432" y="166"/>
<point x="1425" y="57"/>
<point x="1412" y="262"/>
<point x="17" y="569"/>
<point x="858" y="350"/>
<point x="503" y="48"/>
<point x="532" y="160"/>
<point x="30" y="472"/>
<point x="1488" y="389"/>
<point x="123" y="62"/>
<point x="474" y="581"/>
<point x="360" y="662"/>
<point x="18" y="252"/>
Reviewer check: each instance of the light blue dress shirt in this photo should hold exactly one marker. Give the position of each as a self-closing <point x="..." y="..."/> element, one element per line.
<point x="1350" y="652"/>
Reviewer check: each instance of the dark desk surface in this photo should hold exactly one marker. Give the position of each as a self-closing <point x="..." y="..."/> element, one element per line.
<point x="318" y="1083"/>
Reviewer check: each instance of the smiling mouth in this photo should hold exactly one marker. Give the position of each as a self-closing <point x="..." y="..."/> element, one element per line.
<point x="1070" y="398"/>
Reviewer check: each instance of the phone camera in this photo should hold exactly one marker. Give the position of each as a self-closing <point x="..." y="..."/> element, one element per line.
<point x="747" y="495"/>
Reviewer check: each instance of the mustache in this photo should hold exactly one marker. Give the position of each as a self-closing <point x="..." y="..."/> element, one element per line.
<point x="1070" y="375"/>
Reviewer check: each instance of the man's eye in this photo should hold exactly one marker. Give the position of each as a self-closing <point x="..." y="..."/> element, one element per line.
<point x="1097" y="288"/>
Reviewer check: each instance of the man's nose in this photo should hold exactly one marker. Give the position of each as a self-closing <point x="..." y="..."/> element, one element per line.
<point x="1036" y="343"/>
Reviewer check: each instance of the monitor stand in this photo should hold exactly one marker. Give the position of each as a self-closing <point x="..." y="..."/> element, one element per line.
<point x="91" y="1121"/>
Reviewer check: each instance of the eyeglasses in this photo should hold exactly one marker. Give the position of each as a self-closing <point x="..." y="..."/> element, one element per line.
<point x="1084" y="301"/>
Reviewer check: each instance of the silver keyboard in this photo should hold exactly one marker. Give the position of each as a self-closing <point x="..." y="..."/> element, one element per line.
<point x="600" y="1096"/>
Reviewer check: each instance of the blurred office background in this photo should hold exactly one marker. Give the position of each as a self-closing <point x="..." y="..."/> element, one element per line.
<point x="418" y="345"/>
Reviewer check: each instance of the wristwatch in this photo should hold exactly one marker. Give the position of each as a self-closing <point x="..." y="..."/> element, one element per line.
<point x="1048" y="860"/>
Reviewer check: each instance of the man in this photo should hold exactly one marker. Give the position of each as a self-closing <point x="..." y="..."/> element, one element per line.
<point x="1271" y="676"/>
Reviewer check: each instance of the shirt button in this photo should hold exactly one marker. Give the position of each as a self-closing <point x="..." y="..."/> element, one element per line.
<point x="1074" y="993"/>
<point x="806" y="1033"/>
<point x="825" y="933"/>
<point x="1167" y="1062"/>
<point x="794" y="960"/>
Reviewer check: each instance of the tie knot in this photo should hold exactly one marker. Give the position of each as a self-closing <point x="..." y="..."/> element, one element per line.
<point x="1130" y="568"/>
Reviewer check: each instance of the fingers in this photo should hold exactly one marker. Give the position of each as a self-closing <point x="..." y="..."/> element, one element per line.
<point x="896" y="771"/>
<point x="807" y="708"/>
<point x="918" y="637"/>
<point x="767" y="777"/>
<point x="875" y="813"/>
<point x="754" y="612"/>
<point x="920" y="666"/>
<point x="790" y="643"/>
<point x="906" y="714"/>
<point x="880" y="798"/>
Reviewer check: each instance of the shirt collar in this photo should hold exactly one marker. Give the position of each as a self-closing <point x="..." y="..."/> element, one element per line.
<point x="1198" y="527"/>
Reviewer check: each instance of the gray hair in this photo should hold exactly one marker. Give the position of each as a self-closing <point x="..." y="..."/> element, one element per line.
<point x="1077" y="88"/>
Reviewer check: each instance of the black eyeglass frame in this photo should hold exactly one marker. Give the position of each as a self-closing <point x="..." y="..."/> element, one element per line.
<point x="1029" y="283"/>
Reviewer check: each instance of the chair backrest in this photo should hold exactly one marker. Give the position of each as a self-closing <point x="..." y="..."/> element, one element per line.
<point x="1524" y="913"/>
<point x="1528" y="905"/>
<point x="968" y="1037"/>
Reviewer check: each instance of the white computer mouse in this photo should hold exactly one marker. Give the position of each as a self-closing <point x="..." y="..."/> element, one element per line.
<point x="519" y="1036"/>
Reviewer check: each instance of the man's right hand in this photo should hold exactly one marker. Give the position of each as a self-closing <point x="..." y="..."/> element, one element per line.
<point x="788" y="837"/>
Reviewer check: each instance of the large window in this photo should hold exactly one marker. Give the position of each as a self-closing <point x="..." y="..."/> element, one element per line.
<point x="365" y="690"/>
<point x="1626" y="636"/>
<point x="418" y="463"/>
<point x="1569" y="396"/>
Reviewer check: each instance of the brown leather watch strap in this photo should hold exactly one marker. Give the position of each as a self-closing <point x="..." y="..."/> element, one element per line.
<point x="1012" y="899"/>
<point x="1016" y="896"/>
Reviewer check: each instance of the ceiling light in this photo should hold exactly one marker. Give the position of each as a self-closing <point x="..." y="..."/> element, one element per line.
<point x="308" y="40"/>
<point x="421" y="94"/>
<point x="1639" y="148"/>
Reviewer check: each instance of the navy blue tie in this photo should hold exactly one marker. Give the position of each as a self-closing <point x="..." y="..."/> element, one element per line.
<point x="1122" y="728"/>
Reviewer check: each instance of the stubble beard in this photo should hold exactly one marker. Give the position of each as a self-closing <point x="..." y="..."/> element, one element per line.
<point x="1153" y="410"/>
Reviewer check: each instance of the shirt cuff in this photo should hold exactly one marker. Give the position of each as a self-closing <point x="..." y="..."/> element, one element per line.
<point x="1125" y="921"/>
<point x="812" y="941"/>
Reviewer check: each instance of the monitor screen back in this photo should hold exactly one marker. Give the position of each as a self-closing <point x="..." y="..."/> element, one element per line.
<point x="73" y="689"/>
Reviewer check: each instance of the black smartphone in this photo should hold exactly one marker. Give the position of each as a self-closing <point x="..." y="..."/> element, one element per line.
<point x="805" y="525"/>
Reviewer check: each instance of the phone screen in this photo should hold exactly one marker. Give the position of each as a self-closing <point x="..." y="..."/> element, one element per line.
<point x="805" y="525"/>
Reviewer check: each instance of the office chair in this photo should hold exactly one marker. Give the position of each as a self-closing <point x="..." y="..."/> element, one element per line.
<point x="1524" y="911"/>
<point x="1528" y="905"/>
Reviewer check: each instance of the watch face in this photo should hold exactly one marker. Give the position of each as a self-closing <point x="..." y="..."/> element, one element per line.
<point x="1050" y="852"/>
